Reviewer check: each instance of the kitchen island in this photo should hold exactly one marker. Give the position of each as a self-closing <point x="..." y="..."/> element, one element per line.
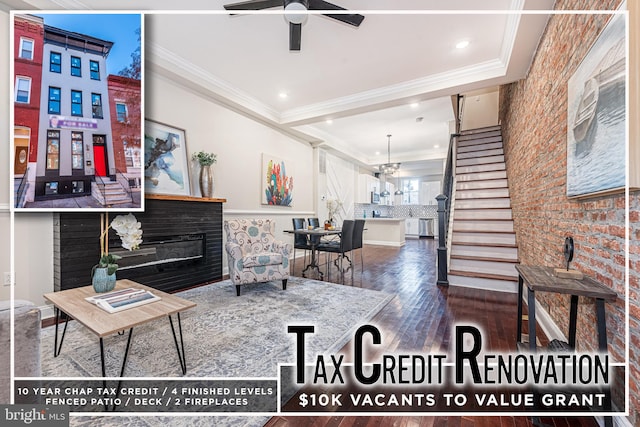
<point x="384" y="231"/>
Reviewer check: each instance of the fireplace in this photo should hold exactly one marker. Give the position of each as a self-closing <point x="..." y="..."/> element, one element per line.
<point x="181" y="248"/>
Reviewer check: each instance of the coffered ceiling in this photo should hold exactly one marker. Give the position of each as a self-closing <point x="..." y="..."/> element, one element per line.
<point x="347" y="88"/>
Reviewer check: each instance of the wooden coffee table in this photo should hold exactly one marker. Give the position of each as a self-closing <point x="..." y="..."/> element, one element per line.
<point x="103" y="324"/>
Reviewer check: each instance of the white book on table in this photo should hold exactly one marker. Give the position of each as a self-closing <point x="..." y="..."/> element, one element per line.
<point x="123" y="299"/>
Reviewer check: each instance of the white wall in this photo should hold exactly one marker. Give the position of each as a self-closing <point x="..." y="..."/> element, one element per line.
<point x="480" y="110"/>
<point x="5" y="215"/>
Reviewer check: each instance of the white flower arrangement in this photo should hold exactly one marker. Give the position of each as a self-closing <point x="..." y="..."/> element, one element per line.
<point x="333" y="205"/>
<point x="128" y="229"/>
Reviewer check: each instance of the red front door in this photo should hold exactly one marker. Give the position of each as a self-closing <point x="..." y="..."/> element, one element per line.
<point x="100" y="160"/>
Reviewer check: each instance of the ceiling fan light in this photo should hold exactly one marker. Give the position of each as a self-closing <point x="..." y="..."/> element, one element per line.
<point x="295" y="12"/>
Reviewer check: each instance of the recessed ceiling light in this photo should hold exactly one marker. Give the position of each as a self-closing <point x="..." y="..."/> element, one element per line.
<point x="436" y="146"/>
<point x="329" y="121"/>
<point x="414" y="105"/>
<point x="377" y="153"/>
<point x="462" y="44"/>
<point x="283" y="95"/>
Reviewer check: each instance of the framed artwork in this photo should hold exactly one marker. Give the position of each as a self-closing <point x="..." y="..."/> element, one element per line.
<point x="596" y="115"/>
<point x="277" y="181"/>
<point x="166" y="170"/>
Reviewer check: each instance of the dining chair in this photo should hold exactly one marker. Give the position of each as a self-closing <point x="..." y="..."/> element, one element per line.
<point x="340" y="247"/>
<point x="314" y="222"/>
<point x="358" y="236"/>
<point x="300" y="241"/>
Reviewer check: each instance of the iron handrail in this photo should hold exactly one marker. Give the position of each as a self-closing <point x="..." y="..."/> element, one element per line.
<point x="21" y="189"/>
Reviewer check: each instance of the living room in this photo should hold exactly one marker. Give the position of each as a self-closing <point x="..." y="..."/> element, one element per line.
<point x="535" y="144"/>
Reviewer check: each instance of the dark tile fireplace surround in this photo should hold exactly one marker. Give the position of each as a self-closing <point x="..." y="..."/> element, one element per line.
<point x="182" y="245"/>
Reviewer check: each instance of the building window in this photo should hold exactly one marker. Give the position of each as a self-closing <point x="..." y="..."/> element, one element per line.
<point x="96" y="105"/>
<point x="77" y="186"/>
<point x="26" y="48"/>
<point x="76" y="103"/>
<point x="53" y="150"/>
<point x="121" y="112"/>
<point x="77" y="156"/>
<point x="94" y="69"/>
<point x="51" y="188"/>
<point x="54" y="100"/>
<point x="411" y="191"/>
<point x="75" y="66"/>
<point x="23" y="89"/>
<point x="55" y="62"/>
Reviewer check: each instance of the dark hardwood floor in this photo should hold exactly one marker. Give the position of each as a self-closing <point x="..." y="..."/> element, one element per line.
<point x="420" y="318"/>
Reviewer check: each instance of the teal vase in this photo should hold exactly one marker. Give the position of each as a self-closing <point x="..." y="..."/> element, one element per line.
<point x="101" y="281"/>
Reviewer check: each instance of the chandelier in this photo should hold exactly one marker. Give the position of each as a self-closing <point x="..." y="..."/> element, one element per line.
<point x="389" y="168"/>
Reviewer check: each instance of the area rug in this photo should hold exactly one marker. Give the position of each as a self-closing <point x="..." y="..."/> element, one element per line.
<point x="224" y="336"/>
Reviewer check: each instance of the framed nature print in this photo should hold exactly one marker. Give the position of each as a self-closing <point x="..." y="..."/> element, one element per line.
<point x="277" y="181"/>
<point x="596" y="114"/>
<point x="166" y="170"/>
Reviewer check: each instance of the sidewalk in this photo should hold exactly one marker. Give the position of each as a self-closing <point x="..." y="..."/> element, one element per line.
<point x="80" y="202"/>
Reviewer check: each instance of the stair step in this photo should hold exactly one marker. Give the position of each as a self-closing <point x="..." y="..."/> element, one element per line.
<point x="476" y="142"/>
<point x="476" y="185"/>
<point x="482" y="176"/>
<point x="482" y="193"/>
<point x="482" y="214"/>
<point x="479" y="135"/>
<point x="480" y="160"/>
<point x="480" y="129"/>
<point x="491" y="239"/>
<point x="480" y="153"/>
<point x="503" y="253"/>
<point x="504" y="203"/>
<point x="491" y="167"/>
<point x="479" y="147"/>
<point x="504" y="226"/>
<point x="493" y="283"/>
<point x="499" y="268"/>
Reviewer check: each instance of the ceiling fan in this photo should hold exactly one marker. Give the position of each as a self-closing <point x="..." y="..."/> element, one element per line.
<point x="295" y="20"/>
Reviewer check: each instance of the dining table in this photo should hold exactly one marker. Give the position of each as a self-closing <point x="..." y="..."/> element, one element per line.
<point x="314" y="236"/>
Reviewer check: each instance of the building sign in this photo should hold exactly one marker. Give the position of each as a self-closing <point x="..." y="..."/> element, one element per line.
<point x="64" y="122"/>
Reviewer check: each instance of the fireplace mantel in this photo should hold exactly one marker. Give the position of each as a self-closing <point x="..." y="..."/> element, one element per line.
<point x="184" y="198"/>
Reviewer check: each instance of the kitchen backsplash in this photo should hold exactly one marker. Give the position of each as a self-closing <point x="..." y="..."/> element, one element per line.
<point x="400" y="211"/>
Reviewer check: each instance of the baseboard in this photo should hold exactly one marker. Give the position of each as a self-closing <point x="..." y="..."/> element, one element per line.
<point x="383" y="243"/>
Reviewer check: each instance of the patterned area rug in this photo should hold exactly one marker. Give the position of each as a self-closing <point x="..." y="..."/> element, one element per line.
<point x="224" y="336"/>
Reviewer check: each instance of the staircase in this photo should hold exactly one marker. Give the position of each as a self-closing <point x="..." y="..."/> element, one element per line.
<point x="483" y="242"/>
<point x="109" y="193"/>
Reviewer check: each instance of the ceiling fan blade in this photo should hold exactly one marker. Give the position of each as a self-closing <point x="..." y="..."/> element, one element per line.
<point x="351" y="19"/>
<point x="254" y="5"/>
<point x="295" y="35"/>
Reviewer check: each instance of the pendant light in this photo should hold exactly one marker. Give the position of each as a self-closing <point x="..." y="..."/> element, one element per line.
<point x="389" y="168"/>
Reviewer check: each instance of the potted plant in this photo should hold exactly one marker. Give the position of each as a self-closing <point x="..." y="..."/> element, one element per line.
<point x="103" y="274"/>
<point x="205" y="160"/>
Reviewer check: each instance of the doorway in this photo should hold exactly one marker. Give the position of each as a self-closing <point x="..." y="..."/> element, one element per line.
<point x="100" y="160"/>
<point x="20" y="160"/>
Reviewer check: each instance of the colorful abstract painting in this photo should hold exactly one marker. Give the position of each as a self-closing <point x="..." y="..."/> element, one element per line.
<point x="277" y="184"/>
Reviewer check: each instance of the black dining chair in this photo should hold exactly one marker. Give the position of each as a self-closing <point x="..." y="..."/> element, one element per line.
<point x="314" y="222"/>
<point x="340" y="247"/>
<point x="300" y="241"/>
<point x="358" y="236"/>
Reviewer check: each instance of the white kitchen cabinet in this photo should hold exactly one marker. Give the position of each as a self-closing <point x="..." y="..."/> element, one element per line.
<point x="428" y="192"/>
<point x="411" y="226"/>
<point x="366" y="185"/>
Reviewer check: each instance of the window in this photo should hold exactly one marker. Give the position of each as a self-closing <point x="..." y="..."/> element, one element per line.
<point x="77" y="156"/>
<point x="23" y="89"/>
<point x="51" y="188"/>
<point x="94" y="70"/>
<point x="77" y="186"/>
<point x="76" y="103"/>
<point x="55" y="62"/>
<point x="54" y="100"/>
<point x="75" y="66"/>
<point x="26" y="48"/>
<point x="53" y="150"/>
<point x="96" y="105"/>
<point x="411" y="190"/>
<point x="121" y="112"/>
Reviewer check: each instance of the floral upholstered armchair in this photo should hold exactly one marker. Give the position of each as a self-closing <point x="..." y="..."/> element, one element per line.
<point x="254" y="254"/>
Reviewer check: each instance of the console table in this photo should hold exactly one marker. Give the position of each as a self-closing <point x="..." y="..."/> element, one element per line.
<point x="543" y="279"/>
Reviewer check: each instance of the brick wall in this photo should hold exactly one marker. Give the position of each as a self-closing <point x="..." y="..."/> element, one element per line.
<point x="533" y="113"/>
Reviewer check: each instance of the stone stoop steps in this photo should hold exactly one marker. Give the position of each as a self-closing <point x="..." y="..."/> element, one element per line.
<point x="112" y="193"/>
<point x="483" y="244"/>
